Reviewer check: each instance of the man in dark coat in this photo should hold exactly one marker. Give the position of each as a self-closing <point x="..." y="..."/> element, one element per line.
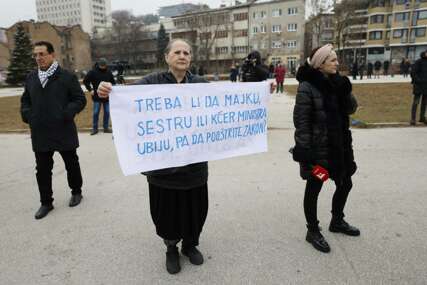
<point x="377" y="67"/>
<point x="354" y="70"/>
<point x="91" y="81"/>
<point x="386" y="66"/>
<point x="370" y="70"/>
<point x="253" y="70"/>
<point x="51" y="99"/>
<point x="419" y="80"/>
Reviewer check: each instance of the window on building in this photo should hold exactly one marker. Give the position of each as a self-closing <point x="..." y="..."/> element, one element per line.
<point x="376" y="35"/>
<point x="240" y="16"/>
<point x="263" y="29"/>
<point x="291" y="44"/>
<point x="401" y="17"/>
<point x="400" y="33"/>
<point x="276" y="28"/>
<point x="422" y="15"/>
<point x="292" y="27"/>
<point x="276" y="44"/>
<point x="420" y="32"/>
<point x="221" y="50"/>
<point x="292" y="63"/>
<point x="276" y="12"/>
<point x="240" y="49"/>
<point x="241" y="33"/>
<point x="221" y="34"/>
<point x="377" y="19"/>
<point x="255" y="30"/>
<point x="292" y="11"/>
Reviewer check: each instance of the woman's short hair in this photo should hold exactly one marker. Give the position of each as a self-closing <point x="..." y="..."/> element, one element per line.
<point x="169" y="46"/>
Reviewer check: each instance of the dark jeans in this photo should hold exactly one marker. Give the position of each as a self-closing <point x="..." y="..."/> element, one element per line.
<point x="339" y="199"/>
<point x="97" y="110"/>
<point x="279" y="87"/>
<point x="415" y="103"/>
<point x="44" y="165"/>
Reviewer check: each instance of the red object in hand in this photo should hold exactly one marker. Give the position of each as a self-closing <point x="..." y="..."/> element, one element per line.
<point x="320" y="173"/>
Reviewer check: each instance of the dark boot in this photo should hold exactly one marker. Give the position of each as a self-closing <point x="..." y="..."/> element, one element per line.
<point x="317" y="240"/>
<point x="341" y="226"/>
<point x="172" y="260"/>
<point x="75" y="200"/>
<point x="43" y="211"/>
<point x="93" y="132"/>
<point x="193" y="254"/>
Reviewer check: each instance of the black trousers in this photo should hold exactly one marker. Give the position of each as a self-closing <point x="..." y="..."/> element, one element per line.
<point x="179" y="214"/>
<point x="415" y="103"/>
<point x="44" y="165"/>
<point x="339" y="199"/>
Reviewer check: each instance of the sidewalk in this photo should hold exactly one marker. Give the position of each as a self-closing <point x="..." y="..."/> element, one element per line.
<point x="255" y="230"/>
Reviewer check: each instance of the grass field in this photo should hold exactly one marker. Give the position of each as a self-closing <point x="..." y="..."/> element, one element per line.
<point x="378" y="103"/>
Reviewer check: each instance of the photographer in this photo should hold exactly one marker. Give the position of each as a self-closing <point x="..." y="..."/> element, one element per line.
<point x="253" y="70"/>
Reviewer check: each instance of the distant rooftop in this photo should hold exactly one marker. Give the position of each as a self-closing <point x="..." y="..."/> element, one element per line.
<point x="179" y="9"/>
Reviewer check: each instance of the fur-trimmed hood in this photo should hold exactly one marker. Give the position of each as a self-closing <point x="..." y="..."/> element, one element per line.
<point x="333" y="83"/>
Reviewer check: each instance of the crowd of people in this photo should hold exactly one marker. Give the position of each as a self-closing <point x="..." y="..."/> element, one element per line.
<point x="179" y="195"/>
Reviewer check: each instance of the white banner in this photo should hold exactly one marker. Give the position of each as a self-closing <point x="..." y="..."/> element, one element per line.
<point x="168" y="125"/>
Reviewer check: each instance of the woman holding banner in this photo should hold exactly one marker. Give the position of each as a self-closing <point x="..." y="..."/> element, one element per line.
<point x="178" y="195"/>
<point x="323" y="141"/>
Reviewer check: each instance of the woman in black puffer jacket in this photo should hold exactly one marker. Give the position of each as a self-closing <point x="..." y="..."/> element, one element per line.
<point x="322" y="138"/>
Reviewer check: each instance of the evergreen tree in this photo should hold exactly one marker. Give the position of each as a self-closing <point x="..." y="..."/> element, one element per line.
<point x="22" y="61"/>
<point x="162" y="42"/>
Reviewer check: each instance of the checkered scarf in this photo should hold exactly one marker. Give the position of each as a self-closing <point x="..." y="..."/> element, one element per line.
<point x="44" y="75"/>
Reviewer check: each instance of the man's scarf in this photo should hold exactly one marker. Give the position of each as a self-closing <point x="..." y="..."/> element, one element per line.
<point x="44" y="75"/>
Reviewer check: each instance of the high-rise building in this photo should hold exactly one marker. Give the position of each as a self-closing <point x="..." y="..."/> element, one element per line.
<point x="92" y="15"/>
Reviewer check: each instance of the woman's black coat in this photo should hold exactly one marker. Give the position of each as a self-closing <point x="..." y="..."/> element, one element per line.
<point x="311" y="124"/>
<point x="50" y="110"/>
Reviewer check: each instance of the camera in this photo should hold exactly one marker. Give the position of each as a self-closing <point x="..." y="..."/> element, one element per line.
<point x="252" y="68"/>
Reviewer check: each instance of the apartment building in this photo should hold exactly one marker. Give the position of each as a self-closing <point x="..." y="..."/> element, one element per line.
<point x="319" y="30"/>
<point x="397" y="29"/>
<point x="94" y="16"/>
<point x="389" y="30"/>
<point x="276" y="29"/>
<point x="224" y="36"/>
<point x="72" y="45"/>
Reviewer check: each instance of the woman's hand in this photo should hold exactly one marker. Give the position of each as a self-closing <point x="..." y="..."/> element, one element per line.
<point x="272" y="87"/>
<point x="104" y="89"/>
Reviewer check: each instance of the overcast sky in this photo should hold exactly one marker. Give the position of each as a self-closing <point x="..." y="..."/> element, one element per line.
<point x="12" y="11"/>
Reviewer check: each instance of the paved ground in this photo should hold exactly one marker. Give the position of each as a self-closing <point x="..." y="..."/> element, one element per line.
<point x="255" y="229"/>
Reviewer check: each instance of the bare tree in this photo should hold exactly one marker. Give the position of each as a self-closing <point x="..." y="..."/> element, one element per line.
<point x="345" y="15"/>
<point x="128" y="31"/>
<point x="203" y="30"/>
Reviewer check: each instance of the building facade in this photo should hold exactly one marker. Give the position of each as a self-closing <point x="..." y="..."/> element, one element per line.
<point x="4" y="51"/>
<point x="224" y="36"/>
<point x="319" y="31"/>
<point x="276" y="29"/>
<point x="93" y="15"/>
<point x="179" y="9"/>
<point x="71" y="44"/>
<point x="390" y="30"/>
